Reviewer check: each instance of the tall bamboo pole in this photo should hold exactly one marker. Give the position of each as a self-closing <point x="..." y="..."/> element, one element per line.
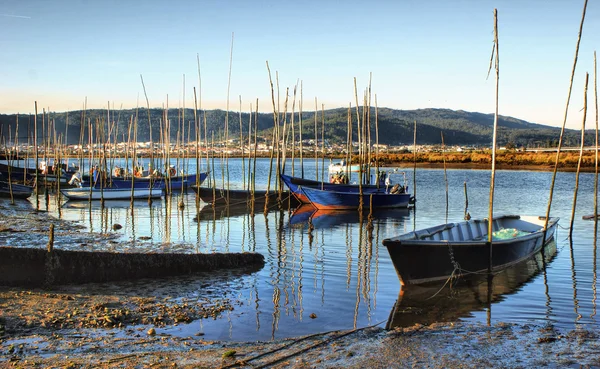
<point x="445" y="175"/>
<point x="596" y="151"/>
<point x="323" y="142"/>
<point x="294" y="130"/>
<point x="415" y="160"/>
<point x="197" y="128"/>
<point x="376" y="142"/>
<point x="151" y="142"/>
<point x="580" y="155"/>
<point x="317" y="142"/>
<point x="242" y="146"/>
<point x="227" y="115"/>
<point x="495" y="53"/>
<point x="37" y="159"/>
<point x="562" y="130"/>
<point x="300" y="123"/>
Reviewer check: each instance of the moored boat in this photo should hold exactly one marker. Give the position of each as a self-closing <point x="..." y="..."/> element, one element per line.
<point x="87" y="193"/>
<point x="294" y="182"/>
<point x="17" y="191"/>
<point x="440" y="252"/>
<point x="340" y="200"/>
<point x="430" y="303"/>
<point x="236" y="196"/>
<point x="174" y="183"/>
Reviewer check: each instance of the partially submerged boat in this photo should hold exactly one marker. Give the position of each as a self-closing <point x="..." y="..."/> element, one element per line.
<point x="444" y="251"/>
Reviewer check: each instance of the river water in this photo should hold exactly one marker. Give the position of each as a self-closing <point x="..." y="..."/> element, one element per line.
<point x="339" y="275"/>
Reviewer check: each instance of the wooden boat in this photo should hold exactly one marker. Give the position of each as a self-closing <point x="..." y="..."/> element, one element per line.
<point x="235" y="196"/>
<point x="340" y="200"/>
<point x="49" y="175"/>
<point x="125" y="184"/>
<point x="440" y="252"/>
<point x="87" y="193"/>
<point x="294" y="182"/>
<point x="427" y="304"/>
<point x="18" y="191"/>
<point x="174" y="183"/>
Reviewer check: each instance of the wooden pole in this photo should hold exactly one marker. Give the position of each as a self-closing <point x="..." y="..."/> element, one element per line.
<point x="415" y="160"/>
<point x="580" y="154"/>
<point x="37" y="159"/>
<point x="317" y="142"/>
<point x="495" y="53"/>
<point x="300" y="122"/>
<point x="562" y="130"/>
<point x="445" y="174"/>
<point x="596" y="151"/>
<point x="376" y="142"/>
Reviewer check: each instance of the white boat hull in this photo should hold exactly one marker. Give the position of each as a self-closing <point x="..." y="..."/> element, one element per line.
<point x="110" y="193"/>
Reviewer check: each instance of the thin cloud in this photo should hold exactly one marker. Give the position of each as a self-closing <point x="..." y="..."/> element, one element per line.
<point x="15" y="16"/>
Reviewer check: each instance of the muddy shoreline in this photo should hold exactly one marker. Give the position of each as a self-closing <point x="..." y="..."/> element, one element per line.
<point x="129" y="325"/>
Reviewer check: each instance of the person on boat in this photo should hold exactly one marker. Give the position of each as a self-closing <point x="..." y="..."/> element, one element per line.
<point x="44" y="167"/>
<point x="75" y="179"/>
<point x="172" y="171"/>
<point x="95" y="174"/>
<point x="117" y="172"/>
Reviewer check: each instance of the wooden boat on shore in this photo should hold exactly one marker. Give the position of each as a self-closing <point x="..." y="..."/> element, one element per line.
<point x="441" y="252"/>
<point x="294" y="182"/>
<point x="87" y="193"/>
<point x="18" y="191"/>
<point x="222" y="196"/>
<point x="340" y="200"/>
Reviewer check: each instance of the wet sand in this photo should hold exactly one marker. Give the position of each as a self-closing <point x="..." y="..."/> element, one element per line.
<point x="123" y="326"/>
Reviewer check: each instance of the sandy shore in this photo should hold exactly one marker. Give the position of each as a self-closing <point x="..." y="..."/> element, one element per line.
<point x="91" y="326"/>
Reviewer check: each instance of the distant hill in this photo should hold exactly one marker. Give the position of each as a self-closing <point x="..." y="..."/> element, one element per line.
<point x="395" y="126"/>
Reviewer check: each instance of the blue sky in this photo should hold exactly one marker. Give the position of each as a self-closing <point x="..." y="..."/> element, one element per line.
<point x="422" y="54"/>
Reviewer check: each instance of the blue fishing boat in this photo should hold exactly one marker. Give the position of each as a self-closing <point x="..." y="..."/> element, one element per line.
<point x="340" y="200"/>
<point x="293" y="184"/>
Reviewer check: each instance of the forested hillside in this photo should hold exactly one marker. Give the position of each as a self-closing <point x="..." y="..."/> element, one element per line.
<point x="395" y="126"/>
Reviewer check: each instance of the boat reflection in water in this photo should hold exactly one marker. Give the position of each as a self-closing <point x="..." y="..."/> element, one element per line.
<point x="440" y="302"/>
<point x="323" y="219"/>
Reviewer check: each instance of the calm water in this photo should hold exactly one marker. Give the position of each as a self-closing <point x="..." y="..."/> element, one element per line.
<point x="340" y="271"/>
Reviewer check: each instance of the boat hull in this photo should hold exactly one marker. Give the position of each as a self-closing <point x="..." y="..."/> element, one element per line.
<point x="339" y="200"/>
<point x="174" y="183"/>
<point x="234" y="197"/>
<point x="438" y="253"/>
<point x="84" y="194"/>
<point x="294" y="182"/>
<point x="18" y="191"/>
